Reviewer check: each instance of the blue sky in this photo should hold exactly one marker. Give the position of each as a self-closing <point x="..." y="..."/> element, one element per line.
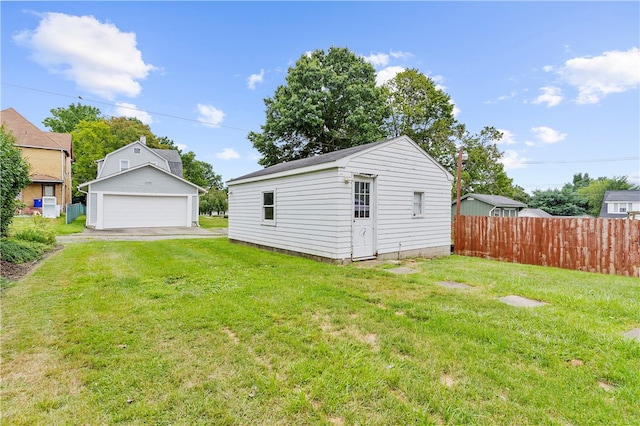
<point x="560" y="79"/>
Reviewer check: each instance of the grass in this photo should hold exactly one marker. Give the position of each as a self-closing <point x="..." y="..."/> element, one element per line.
<point x="58" y="224"/>
<point x="206" y="332"/>
<point x="213" y="222"/>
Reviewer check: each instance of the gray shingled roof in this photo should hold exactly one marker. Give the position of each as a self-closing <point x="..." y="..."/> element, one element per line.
<point x="628" y="196"/>
<point x="311" y="161"/>
<point x="622" y="196"/>
<point x="173" y="158"/>
<point x="495" y="200"/>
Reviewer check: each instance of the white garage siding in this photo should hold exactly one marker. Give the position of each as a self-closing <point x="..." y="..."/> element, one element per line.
<point x="139" y="211"/>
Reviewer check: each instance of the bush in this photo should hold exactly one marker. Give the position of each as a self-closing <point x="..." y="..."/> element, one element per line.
<point x="42" y="235"/>
<point x="21" y="251"/>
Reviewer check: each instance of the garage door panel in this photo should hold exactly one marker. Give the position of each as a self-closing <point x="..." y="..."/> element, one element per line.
<point x="127" y="211"/>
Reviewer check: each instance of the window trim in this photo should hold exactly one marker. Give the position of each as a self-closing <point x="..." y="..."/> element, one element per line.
<point x="48" y="185"/>
<point x="263" y="206"/>
<point x="126" y="163"/>
<point x="421" y="213"/>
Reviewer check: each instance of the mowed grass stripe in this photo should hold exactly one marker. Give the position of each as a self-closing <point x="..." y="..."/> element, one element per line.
<point x="203" y="331"/>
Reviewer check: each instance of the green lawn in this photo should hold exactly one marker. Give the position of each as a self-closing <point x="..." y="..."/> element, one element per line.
<point x="206" y="332"/>
<point x="58" y="224"/>
<point x="213" y="222"/>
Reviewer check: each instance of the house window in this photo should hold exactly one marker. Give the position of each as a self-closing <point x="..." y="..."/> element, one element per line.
<point x="124" y="164"/>
<point x="497" y="212"/>
<point x="48" y="190"/>
<point x="361" y="199"/>
<point x="136" y="150"/>
<point x="269" y="207"/>
<point x="418" y="203"/>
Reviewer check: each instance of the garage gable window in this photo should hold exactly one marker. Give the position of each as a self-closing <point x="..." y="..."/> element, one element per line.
<point x="124" y="165"/>
<point x="269" y="207"/>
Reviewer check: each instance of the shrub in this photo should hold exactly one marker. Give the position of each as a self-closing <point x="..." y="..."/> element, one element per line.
<point x="21" y="251"/>
<point x="42" y="235"/>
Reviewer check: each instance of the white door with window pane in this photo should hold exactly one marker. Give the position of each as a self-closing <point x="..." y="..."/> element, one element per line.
<point x="363" y="231"/>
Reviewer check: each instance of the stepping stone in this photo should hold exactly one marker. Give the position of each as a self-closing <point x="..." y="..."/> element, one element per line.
<point x="633" y="334"/>
<point x="402" y="271"/>
<point x="521" y="302"/>
<point x="452" y="284"/>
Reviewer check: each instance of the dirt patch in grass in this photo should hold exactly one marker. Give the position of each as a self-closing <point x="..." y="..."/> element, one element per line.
<point x="16" y="271"/>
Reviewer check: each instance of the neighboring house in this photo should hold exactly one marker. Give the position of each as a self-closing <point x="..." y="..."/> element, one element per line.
<point x="386" y="199"/>
<point x="533" y="213"/>
<point x="488" y="205"/>
<point x="621" y="204"/>
<point x="50" y="156"/>
<point x="141" y="187"/>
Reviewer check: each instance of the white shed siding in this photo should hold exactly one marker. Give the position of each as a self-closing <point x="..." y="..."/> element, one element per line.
<point x="312" y="214"/>
<point x="402" y="170"/>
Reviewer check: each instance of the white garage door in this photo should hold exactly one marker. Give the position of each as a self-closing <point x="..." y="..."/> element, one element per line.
<point x="128" y="211"/>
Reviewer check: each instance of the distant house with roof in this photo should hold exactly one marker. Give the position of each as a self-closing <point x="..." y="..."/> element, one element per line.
<point x="49" y="154"/>
<point x="621" y="204"/>
<point x="488" y="205"/>
<point x="528" y="212"/>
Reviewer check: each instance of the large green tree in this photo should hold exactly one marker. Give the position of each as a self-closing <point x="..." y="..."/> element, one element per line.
<point x="559" y="202"/>
<point x="199" y="172"/>
<point x="482" y="172"/>
<point x="330" y="101"/>
<point x="424" y="113"/>
<point x="65" y="120"/>
<point x="15" y="176"/>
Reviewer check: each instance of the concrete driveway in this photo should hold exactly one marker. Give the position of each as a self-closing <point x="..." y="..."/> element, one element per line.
<point x="142" y="234"/>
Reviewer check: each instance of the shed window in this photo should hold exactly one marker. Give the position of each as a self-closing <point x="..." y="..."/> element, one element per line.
<point x="124" y="164"/>
<point x="418" y="203"/>
<point x="361" y="199"/>
<point x="269" y="207"/>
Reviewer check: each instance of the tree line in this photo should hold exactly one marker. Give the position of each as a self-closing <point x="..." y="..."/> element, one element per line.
<point x="582" y="196"/>
<point x="331" y="101"/>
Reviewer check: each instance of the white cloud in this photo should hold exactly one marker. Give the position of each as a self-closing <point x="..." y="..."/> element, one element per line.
<point x="512" y="160"/>
<point x="181" y="146"/>
<point x="400" y="54"/>
<point x="125" y="109"/>
<point x="547" y="68"/>
<point x="551" y="96"/>
<point x="210" y="115"/>
<point x="227" y="154"/>
<point x="547" y="134"/>
<point x="508" y="138"/>
<point x="377" y="59"/>
<point x="97" y="56"/>
<point x="255" y="79"/>
<point x="634" y="178"/>
<point x="596" y="77"/>
<point x="387" y="74"/>
<point x="456" y="110"/>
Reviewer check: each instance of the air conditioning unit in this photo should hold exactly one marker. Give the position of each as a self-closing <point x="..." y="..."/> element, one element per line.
<point x="49" y="207"/>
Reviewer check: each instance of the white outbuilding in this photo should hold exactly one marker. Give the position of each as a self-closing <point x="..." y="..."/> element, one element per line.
<point x="387" y="199"/>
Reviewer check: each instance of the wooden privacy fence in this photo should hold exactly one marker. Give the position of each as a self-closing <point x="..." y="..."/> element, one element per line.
<point x="608" y="246"/>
